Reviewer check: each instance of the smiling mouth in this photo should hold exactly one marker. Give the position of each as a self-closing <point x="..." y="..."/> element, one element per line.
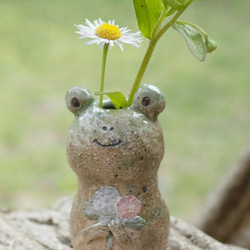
<point x="112" y="144"/>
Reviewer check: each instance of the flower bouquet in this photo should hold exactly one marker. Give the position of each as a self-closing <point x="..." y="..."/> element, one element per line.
<point x="154" y="19"/>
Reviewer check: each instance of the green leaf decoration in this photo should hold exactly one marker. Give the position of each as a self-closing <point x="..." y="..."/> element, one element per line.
<point x="194" y="39"/>
<point x="109" y="241"/>
<point x="135" y="223"/>
<point x="147" y="13"/>
<point x="117" y="98"/>
<point x="89" y="210"/>
<point x="175" y="4"/>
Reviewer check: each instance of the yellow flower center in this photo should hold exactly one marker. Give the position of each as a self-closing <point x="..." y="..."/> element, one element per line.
<point x="108" y="31"/>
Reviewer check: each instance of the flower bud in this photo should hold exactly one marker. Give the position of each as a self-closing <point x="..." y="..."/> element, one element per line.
<point x="210" y="44"/>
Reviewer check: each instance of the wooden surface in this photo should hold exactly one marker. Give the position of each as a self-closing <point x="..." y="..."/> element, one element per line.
<point x="49" y="230"/>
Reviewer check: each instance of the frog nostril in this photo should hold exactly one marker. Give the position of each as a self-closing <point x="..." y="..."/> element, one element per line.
<point x="104" y="128"/>
<point x="111" y="128"/>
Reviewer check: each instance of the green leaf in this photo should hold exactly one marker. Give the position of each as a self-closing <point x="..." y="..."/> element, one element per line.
<point x="142" y="15"/>
<point x="194" y="39"/>
<point x="117" y="98"/>
<point x="175" y="4"/>
<point x="170" y="12"/>
<point x="147" y="13"/>
<point x="155" y="8"/>
<point x="165" y="3"/>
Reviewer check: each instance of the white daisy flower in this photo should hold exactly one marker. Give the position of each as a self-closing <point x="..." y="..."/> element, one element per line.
<point x="102" y="33"/>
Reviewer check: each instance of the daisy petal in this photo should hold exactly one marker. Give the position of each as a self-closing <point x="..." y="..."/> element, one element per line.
<point x="101" y="33"/>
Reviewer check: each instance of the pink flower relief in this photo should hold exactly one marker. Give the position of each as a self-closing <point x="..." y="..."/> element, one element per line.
<point x="128" y="207"/>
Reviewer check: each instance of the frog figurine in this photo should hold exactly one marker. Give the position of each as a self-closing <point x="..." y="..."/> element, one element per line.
<point x="115" y="154"/>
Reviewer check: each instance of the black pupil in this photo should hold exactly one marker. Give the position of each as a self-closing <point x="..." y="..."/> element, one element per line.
<point x="146" y="101"/>
<point x="75" y="102"/>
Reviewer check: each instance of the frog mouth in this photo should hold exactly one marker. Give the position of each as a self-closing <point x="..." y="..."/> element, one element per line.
<point x="113" y="143"/>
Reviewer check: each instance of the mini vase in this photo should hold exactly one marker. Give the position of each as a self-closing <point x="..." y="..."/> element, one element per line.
<point x="115" y="154"/>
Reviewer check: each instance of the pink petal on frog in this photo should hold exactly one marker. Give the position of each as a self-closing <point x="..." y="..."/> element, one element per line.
<point x="128" y="206"/>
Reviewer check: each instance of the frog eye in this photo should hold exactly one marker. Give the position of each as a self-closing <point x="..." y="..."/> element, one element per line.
<point x="78" y="98"/>
<point x="149" y="100"/>
<point x="146" y="101"/>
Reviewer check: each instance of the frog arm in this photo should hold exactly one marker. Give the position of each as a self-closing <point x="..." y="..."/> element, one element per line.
<point x="120" y="235"/>
<point x="87" y="234"/>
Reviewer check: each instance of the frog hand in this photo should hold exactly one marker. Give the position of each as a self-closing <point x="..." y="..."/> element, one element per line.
<point x="87" y="234"/>
<point x="120" y="235"/>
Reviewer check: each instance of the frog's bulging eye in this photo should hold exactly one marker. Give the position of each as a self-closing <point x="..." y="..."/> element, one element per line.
<point x="146" y="101"/>
<point x="75" y="102"/>
<point x="78" y="99"/>
<point x="149" y="100"/>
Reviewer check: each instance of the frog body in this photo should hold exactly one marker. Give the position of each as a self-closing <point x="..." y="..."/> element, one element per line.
<point x="115" y="154"/>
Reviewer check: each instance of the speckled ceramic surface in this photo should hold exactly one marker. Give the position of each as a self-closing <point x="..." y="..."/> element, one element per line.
<point x="115" y="155"/>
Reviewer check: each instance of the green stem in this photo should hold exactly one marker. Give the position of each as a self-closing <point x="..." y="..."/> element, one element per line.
<point x="150" y="51"/>
<point x="159" y="22"/>
<point x="141" y="71"/>
<point x="104" y="59"/>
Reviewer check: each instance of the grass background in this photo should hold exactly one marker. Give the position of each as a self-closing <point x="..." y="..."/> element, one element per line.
<point x="206" y="122"/>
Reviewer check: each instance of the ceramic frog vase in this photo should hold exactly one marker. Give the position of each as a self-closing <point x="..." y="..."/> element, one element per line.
<point x="115" y="154"/>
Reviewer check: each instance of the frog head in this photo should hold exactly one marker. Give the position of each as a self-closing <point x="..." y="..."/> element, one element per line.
<point x="115" y="144"/>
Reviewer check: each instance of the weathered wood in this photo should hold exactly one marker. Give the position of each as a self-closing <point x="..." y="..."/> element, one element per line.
<point x="226" y="215"/>
<point x="49" y="230"/>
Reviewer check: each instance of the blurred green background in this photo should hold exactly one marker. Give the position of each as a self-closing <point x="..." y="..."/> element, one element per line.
<point x="206" y="122"/>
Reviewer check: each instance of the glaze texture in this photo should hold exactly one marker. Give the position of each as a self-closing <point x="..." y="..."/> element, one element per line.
<point x="115" y="155"/>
